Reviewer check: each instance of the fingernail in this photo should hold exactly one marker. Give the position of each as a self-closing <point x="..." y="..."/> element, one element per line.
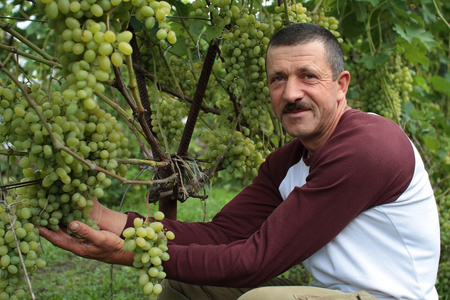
<point x="73" y="226"/>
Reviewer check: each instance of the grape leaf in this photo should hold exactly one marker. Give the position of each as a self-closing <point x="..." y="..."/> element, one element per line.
<point x="414" y="32"/>
<point x="441" y="85"/>
<point x="372" y="61"/>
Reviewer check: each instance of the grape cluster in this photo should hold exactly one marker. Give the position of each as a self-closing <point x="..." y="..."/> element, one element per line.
<point x="148" y="241"/>
<point x="167" y="122"/>
<point x="384" y="92"/>
<point x="67" y="185"/>
<point x="217" y="10"/>
<point x="93" y="40"/>
<point x="240" y="155"/>
<point x="19" y="242"/>
<point x="443" y="280"/>
<point x="150" y="12"/>
<point x="444" y="217"/>
<point x="243" y="58"/>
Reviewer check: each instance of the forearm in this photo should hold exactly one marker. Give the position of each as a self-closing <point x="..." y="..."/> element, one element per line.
<point x="239" y="219"/>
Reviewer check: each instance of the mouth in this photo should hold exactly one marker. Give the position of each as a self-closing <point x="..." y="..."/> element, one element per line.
<point x="296" y="107"/>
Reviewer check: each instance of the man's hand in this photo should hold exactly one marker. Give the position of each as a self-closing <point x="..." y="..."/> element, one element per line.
<point x="108" y="219"/>
<point x="90" y="243"/>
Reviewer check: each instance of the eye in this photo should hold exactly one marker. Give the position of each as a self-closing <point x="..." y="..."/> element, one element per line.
<point x="277" y="78"/>
<point x="310" y="76"/>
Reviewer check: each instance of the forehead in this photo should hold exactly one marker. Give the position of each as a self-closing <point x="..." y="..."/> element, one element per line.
<point x="309" y="53"/>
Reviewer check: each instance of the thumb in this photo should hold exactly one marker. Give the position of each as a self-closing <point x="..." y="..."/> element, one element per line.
<point x="80" y="229"/>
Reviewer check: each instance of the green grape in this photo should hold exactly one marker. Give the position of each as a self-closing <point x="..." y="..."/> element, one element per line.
<point x="171" y="37"/>
<point x="110" y="36"/>
<point x="96" y="10"/>
<point x="124" y="36"/>
<point x="161" y="34"/>
<point x="125" y="48"/>
<point x="52" y="10"/>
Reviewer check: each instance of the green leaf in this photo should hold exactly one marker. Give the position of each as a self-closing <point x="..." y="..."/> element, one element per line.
<point x="441" y="85"/>
<point x="182" y="8"/>
<point x="196" y="28"/>
<point x="408" y="109"/>
<point x="212" y="32"/>
<point x="137" y="25"/>
<point x="361" y="12"/>
<point x="413" y="32"/>
<point x="431" y="143"/>
<point x="414" y="54"/>
<point x="372" y="61"/>
<point x="420" y="81"/>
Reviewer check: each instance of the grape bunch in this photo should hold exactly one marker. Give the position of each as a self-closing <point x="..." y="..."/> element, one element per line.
<point x="443" y="279"/>
<point x="148" y="241"/>
<point x="150" y="12"/>
<point x="240" y="155"/>
<point x="19" y="243"/>
<point x="66" y="184"/>
<point x="93" y="39"/>
<point x="384" y="92"/>
<point x="167" y="121"/>
<point x="243" y="54"/>
<point x="217" y="10"/>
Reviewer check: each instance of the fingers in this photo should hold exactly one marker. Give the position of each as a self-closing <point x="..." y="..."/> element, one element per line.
<point x="58" y="238"/>
<point x="89" y="243"/>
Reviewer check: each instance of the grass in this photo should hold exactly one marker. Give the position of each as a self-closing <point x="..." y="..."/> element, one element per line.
<point x="68" y="276"/>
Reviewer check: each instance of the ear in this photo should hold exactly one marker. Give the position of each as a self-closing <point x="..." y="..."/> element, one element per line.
<point x="343" y="82"/>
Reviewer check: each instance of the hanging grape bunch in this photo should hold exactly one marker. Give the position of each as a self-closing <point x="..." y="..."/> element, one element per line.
<point x="148" y="240"/>
<point x="66" y="184"/>
<point x="384" y="91"/>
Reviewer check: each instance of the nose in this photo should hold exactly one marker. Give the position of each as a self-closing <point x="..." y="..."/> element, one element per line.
<point x="293" y="90"/>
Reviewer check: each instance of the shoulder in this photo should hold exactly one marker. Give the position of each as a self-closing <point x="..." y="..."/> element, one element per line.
<point x="277" y="163"/>
<point x="370" y="135"/>
<point x="368" y="153"/>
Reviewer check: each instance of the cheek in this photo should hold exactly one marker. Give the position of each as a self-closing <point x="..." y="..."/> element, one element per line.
<point x="276" y="106"/>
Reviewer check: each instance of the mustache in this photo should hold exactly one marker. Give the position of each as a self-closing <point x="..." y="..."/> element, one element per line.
<point x="295" y="106"/>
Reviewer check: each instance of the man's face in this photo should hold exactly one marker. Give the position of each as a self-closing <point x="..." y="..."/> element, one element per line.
<point x="303" y="93"/>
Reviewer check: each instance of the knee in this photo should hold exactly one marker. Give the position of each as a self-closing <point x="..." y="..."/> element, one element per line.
<point x="260" y="293"/>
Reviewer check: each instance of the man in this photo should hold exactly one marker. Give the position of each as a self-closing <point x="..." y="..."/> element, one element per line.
<point x="349" y="198"/>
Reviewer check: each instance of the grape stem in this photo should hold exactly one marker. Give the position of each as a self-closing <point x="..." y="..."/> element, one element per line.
<point x="121" y="111"/>
<point x="137" y="161"/>
<point x="136" y="106"/>
<point x="7" y="27"/>
<point x="164" y="88"/>
<point x="15" y="50"/>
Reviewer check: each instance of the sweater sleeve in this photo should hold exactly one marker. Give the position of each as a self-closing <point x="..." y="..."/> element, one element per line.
<point x="237" y="220"/>
<point x="357" y="169"/>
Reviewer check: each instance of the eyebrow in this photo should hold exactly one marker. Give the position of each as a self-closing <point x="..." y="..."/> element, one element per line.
<point x="299" y="70"/>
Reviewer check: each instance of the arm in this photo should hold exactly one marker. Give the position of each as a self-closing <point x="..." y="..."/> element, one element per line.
<point x="239" y="219"/>
<point x="344" y="180"/>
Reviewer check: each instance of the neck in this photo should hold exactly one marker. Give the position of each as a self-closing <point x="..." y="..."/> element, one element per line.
<point x="315" y="143"/>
